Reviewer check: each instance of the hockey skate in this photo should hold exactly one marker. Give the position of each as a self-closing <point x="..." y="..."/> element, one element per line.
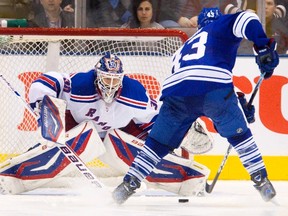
<point x="264" y="186"/>
<point x="125" y="189"/>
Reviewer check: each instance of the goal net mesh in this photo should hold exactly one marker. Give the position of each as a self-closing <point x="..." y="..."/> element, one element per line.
<point x="26" y="53"/>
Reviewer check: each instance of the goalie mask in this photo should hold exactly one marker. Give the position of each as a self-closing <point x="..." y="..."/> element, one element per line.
<point x="207" y="16"/>
<point x="109" y="76"/>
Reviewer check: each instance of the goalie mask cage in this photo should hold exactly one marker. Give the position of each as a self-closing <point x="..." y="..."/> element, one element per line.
<point x="25" y="53"/>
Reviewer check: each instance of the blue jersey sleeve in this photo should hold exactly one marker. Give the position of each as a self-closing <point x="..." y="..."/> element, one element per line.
<point x="247" y="25"/>
<point x="134" y="90"/>
<point x="81" y="79"/>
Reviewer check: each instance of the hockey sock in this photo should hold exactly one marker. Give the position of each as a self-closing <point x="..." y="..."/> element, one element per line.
<point x="249" y="153"/>
<point x="147" y="159"/>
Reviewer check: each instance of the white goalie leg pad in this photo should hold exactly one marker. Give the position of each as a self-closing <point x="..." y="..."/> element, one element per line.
<point x="121" y="148"/>
<point x="198" y="139"/>
<point x="195" y="187"/>
<point x="11" y="185"/>
<point x="15" y="183"/>
<point x="190" y="186"/>
<point x="95" y="146"/>
<point x="93" y="149"/>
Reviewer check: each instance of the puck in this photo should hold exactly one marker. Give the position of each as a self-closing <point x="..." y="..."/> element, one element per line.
<point x="183" y="200"/>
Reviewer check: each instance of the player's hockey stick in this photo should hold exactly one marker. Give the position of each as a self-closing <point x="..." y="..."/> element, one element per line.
<point x="66" y="149"/>
<point x="256" y="89"/>
<point x="209" y="187"/>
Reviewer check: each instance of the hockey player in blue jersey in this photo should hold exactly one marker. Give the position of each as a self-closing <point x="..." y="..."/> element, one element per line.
<point x="201" y="85"/>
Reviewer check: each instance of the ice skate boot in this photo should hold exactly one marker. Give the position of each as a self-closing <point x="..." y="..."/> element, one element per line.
<point x="264" y="186"/>
<point x="125" y="189"/>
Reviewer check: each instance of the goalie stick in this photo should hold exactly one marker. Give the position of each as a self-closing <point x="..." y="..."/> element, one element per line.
<point x="209" y="187"/>
<point x="66" y="149"/>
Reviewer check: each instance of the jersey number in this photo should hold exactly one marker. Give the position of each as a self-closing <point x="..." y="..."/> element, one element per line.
<point x="196" y="51"/>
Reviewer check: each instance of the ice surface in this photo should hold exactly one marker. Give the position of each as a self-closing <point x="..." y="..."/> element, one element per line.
<point x="229" y="198"/>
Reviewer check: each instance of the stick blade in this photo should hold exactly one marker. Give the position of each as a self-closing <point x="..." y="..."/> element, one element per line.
<point x="209" y="188"/>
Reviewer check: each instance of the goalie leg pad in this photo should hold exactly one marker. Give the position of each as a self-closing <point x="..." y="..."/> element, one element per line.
<point x="45" y="162"/>
<point x="17" y="174"/>
<point x="11" y="185"/>
<point x="173" y="173"/>
<point x="182" y="176"/>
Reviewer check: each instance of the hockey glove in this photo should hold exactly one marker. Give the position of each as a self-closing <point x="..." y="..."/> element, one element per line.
<point x="267" y="58"/>
<point x="248" y="111"/>
<point x="37" y="110"/>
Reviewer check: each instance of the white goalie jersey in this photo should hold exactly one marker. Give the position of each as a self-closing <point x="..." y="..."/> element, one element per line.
<point x="85" y="103"/>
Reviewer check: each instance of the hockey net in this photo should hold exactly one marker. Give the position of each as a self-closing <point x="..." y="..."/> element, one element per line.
<point x="26" y="53"/>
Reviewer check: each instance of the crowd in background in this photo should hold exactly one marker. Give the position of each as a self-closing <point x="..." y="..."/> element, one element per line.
<point x="160" y="14"/>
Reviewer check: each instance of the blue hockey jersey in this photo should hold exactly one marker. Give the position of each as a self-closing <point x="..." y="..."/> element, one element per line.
<point x="205" y="61"/>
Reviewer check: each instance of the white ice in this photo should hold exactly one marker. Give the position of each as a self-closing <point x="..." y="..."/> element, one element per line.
<point x="229" y="198"/>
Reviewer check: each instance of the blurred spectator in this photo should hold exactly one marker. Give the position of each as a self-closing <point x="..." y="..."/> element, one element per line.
<point x="278" y="12"/>
<point x="108" y="13"/>
<point x="184" y="13"/>
<point x="168" y="14"/>
<point x="52" y="16"/>
<point x="276" y="24"/>
<point x="22" y="8"/>
<point x="15" y="9"/>
<point x="285" y="4"/>
<point x="191" y="8"/>
<point x="143" y="15"/>
<point x="68" y="5"/>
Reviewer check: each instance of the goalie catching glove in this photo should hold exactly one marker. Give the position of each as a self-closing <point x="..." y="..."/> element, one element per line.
<point x="248" y="111"/>
<point x="198" y="140"/>
<point x="267" y="58"/>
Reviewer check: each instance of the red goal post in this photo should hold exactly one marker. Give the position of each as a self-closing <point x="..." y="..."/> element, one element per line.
<point x="25" y="53"/>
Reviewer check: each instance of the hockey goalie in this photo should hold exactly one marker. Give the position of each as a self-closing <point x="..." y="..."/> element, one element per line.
<point x="107" y="115"/>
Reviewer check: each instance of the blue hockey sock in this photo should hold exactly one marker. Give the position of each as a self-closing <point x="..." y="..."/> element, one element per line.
<point x="249" y="153"/>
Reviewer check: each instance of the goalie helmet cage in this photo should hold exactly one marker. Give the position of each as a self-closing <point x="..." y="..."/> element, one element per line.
<point x="25" y="53"/>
